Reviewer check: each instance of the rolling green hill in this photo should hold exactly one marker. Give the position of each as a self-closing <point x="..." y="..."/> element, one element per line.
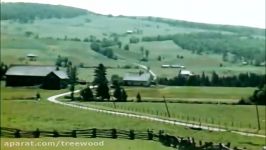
<point x="25" y="12"/>
<point x="69" y="32"/>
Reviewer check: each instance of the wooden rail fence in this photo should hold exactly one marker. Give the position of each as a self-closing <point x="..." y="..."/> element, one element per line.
<point x="181" y="143"/>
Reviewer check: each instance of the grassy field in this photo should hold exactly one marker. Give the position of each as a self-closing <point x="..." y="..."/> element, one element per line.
<point x="11" y="93"/>
<point x="191" y="93"/>
<point x="226" y="116"/>
<point x="108" y="144"/>
<point x="29" y="115"/>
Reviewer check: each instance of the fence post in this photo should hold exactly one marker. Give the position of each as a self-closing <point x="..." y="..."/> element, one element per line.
<point x="55" y="134"/>
<point x="200" y="143"/>
<point x="74" y="134"/>
<point x="220" y="146"/>
<point x="160" y="136"/>
<point x="114" y="105"/>
<point x="228" y="144"/>
<point x="17" y="133"/>
<point x="150" y="135"/>
<point x="93" y="132"/>
<point x="168" y="113"/>
<point x="114" y="135"/>
<point x="36" y="134"/>
<point x="131" y="135"/>
<point x="258" y="117"/>
<point x="193" y="142"/>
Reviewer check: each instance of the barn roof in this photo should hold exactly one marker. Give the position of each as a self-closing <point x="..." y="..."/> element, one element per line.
<point x="39" y="71"/>
<point x="61" y="74"/>
<point x="137" y="77"/>
<point x="186" y="72"/>
<point x="31" y="55"/>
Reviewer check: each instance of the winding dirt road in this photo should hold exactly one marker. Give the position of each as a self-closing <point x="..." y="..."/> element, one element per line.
<point x="146" y="117"/>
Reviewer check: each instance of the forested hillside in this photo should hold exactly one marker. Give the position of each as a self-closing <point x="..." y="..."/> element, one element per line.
<point x="241" y="48"/>
<point x="235" y="29"/>
<point x="245" y="48"/>
<point x="25" y="12"/>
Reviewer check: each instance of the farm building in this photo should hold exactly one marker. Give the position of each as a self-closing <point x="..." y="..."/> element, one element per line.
<point x="185" y="73"/>
<point x="172" y="66"/>
<point x="129" y="31"/>
<point x="177" y="66"/>
<point x="137" y="79"/>
<point x="32" y="57"/>
<point x="47" y="77"/>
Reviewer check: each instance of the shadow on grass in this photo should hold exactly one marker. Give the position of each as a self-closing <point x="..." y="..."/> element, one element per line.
<point x="251" y="143"/>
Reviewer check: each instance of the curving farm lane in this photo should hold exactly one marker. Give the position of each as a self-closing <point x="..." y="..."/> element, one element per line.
<point x="138" y="116"/>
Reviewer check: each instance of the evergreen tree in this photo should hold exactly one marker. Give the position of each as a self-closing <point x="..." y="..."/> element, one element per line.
<point x="118" y="93"/>
<point x="119" y="44"/>
<point x="86" y="94"/>
<point x="215" y="79"/>
<point x="207" y="81"/>
<point x="3" y="69"/>
<point x="138" y="97"/>
<point x="126" y="47"/>
<point x="142" y="51"/>
<point x="68" y="69"/>
<point x="204" y="80"/>
<point x="179" y="80"/>
<point x="193" y="81"/>
<point x="159" y="58"/>
<point x="73" y="80"/>
<point x="58" y="61"/>
<point x="147" y="52"/>
<point x="101" y="81"/>
<point x="225" y="56"/>
<point x="123" y="95"/>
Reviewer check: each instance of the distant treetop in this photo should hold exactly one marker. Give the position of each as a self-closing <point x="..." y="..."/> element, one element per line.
<point x="25" y="12"/>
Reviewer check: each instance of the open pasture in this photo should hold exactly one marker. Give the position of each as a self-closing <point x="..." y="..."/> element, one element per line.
<point x="29" y="115"/>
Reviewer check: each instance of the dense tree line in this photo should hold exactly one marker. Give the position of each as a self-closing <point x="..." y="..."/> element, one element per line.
<point x="108" y="52"/>
<point x="133" y="39"/>
<point x="245" y="48"/>
<point x="25" y="12"/>
<point x="248" y="47"/>
<point x="157" y="38"/>
<point x="241" y="80"/>
<point x="103" y="47"/>
<point x="62" y="61"/>
<point x="235" y="29"/>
